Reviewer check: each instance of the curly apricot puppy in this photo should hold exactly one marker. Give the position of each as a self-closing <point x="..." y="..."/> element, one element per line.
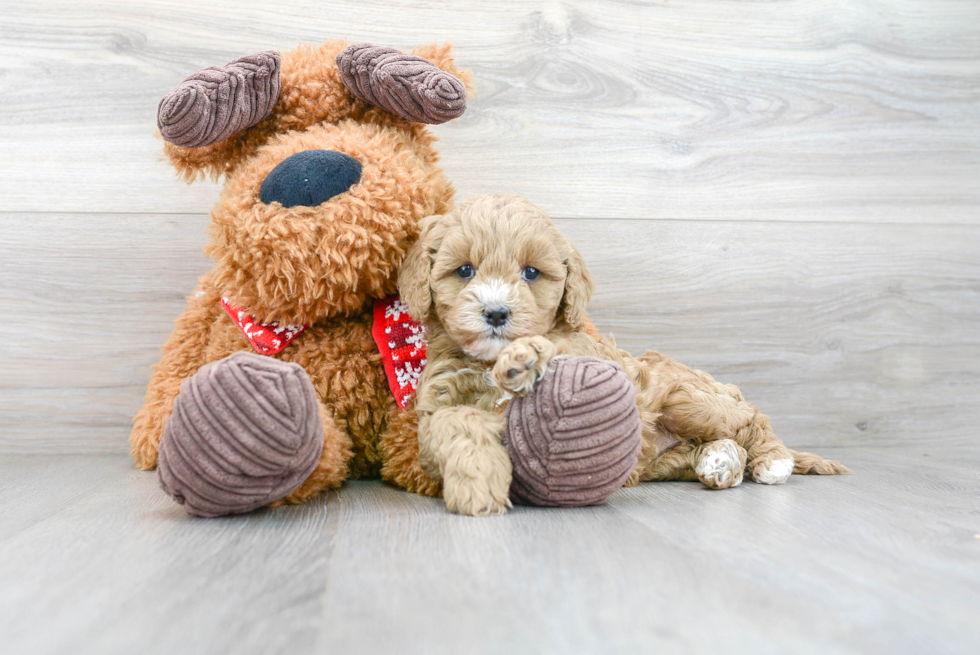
<point x="501" y="292"/>
<point x="329" y="170"/>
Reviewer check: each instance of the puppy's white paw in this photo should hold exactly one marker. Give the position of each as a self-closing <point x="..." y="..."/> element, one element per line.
<point x="479" y="486"/>
<point x="721" y="464"/>
<point x="522" y="363"/>
<point x="775" y="472"/>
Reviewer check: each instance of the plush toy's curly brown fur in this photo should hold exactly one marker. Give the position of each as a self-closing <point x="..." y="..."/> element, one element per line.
<point x="321" y="266"/>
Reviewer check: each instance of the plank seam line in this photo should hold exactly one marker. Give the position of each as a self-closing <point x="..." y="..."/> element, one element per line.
<point x="761" y="221"/>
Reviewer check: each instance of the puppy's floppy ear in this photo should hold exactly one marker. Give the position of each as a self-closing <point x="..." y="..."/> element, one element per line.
<point x="578" y="288"/>
<point x="413" y="278"/>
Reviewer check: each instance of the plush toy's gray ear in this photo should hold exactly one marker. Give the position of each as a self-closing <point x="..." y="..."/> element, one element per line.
<point x="414" y="277"/>
<point x="408" y="86"/>
<point x="215" y="103"/>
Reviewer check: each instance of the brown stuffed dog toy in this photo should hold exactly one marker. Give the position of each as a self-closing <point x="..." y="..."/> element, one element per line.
<point x="329" y="169"/>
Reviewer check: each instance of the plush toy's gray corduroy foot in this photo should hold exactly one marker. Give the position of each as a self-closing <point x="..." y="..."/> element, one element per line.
<point x="575" y="438"/>
<point x="245" y="432"/>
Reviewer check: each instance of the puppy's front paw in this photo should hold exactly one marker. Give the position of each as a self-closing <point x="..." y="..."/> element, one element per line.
<point x="721" y="464"/>
<point x="480" y="486"/>
<point x="522" y="363"/>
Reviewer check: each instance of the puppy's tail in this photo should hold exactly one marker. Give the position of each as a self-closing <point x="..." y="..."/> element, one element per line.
<point x="811" y="464"/>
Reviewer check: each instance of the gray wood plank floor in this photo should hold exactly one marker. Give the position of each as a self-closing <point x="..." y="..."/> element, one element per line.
<point x="95" y="559"/>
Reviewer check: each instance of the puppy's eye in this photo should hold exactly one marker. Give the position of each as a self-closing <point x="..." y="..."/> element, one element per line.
<point x="465" y="272"/>
<point x="530" y="274"/>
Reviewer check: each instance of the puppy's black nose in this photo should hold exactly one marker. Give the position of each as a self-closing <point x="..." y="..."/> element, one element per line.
<point x="496" y="316"/>
<point x="309" y="178"/>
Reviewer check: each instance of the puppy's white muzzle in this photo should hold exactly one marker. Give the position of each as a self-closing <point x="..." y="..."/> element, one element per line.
<point x="485" y="313"/>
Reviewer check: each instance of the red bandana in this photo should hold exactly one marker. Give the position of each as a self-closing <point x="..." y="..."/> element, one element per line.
<point x="401" y="340"/>
<point x="266" y="338"/>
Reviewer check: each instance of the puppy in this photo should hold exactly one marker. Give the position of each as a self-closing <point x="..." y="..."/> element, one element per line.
<point x="501" y="292"/>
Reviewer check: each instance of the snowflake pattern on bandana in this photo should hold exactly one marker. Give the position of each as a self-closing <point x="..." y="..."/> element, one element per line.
<point x="266" y="338"/>
<point x="401" y="340"/>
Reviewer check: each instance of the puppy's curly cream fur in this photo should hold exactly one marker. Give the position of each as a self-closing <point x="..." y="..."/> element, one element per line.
<point x="501" y="292"/>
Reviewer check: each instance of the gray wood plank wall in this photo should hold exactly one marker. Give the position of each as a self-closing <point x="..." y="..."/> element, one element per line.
<point x="784" y="193"/>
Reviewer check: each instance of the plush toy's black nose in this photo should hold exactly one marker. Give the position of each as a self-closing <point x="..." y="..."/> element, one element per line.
<point x="309" y="178"/>
<point x="496" y="316"/>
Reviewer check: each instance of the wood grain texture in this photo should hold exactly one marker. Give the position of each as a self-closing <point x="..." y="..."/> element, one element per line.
<point x="94" y="558"/>
<point x="100" y="295"/>
<point x="826" y="110"/>
<point x="782" y="192"/>
<point x="844" y="334"/>
<point x="821" y="155"/>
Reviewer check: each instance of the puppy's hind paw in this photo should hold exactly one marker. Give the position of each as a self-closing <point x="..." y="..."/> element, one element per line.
<point x="721" y="464"/>
<point x="522" y="363"/>
<point x="776" y="471"/>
